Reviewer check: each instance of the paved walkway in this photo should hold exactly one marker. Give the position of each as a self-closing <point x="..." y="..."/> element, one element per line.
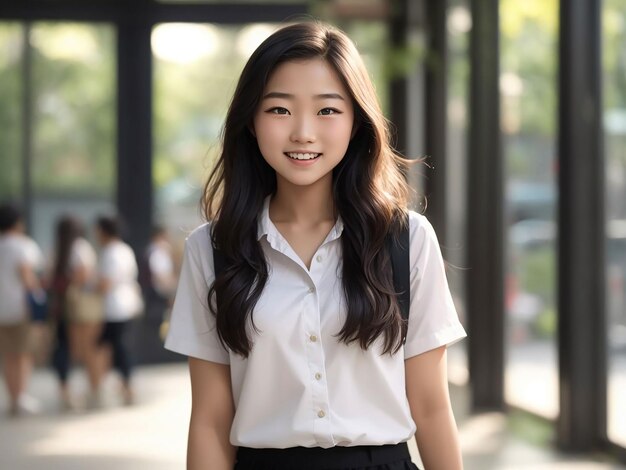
<point x="152" y="434"/>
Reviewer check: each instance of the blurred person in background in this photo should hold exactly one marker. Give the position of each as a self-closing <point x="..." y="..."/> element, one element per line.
<point x="117" y="281"/>
<point x="20" y="260"/>
<point x="76" y="308"/>
<point x="158" y="276"/>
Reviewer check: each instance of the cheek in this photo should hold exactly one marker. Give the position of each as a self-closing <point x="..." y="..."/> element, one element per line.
<point x="339" y="132"/>
<point x="269" y="134"/>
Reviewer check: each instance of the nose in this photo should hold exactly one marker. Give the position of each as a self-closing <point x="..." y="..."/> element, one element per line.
<point x="303" y="130"/>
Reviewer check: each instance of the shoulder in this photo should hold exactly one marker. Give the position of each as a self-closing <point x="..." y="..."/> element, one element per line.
<point x="30" y="249"/>
<point x="198" y="256"/>
<point x="420" y="228"/>
<point x="82" y="246"/>
<point x="199" y="240"/>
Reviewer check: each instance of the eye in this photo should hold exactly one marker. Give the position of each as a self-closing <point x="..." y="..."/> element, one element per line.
<point x="329" y="111"/>
<point x="278" y="110"/>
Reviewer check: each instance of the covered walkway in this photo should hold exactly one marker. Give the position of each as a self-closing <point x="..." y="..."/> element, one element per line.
<point x="152" y="434"/>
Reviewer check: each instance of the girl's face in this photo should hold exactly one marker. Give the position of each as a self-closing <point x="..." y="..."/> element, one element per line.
<point x="304" y="121"/>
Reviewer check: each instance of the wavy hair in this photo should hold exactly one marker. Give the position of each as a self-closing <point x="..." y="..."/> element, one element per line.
<point x="68" y="230"/>
<point x="369" y="192"/>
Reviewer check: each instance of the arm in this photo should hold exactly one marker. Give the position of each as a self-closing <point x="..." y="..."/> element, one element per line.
<point x="28" y="277"/>
<point x="212" y="412"/>
<point x="427" y="392"/>
<point x="80" y="275"/>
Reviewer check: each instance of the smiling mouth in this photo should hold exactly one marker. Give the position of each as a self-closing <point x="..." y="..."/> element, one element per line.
<point x="302" y="156"/>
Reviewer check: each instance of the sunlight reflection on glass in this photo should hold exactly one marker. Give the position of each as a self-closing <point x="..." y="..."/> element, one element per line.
<point x="184" y="43"/>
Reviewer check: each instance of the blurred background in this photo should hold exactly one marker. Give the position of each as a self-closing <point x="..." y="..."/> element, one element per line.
<point x="520" y="106"/>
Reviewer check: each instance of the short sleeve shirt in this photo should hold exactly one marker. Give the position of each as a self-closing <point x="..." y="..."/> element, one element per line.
<point x="123" y="300"/>
<point x="82" y="255"/>
<point x="300" y="386"/>
<point x="16" y="250"/>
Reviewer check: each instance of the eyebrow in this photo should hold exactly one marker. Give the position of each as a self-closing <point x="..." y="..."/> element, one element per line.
<point x="287" y="96"/>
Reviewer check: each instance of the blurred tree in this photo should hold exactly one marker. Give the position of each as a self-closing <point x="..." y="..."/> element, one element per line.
<point x="10" y="109"/>
<point x="73" y="94"/>
<point x="529" y="35"/>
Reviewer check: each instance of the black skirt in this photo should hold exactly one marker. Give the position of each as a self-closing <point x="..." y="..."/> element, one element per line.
<point x="386" y="457"/>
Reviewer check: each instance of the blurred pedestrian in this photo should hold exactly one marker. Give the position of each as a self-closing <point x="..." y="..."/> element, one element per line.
<point x="20" y="259"/>
<point x="76" y="306"/>
<point x="159" y="275"/>
<point x="117" y="281"/>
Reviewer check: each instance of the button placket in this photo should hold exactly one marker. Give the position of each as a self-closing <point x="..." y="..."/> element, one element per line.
<point x="316" y="362"/>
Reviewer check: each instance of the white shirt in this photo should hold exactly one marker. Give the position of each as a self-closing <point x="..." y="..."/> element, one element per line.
<point x="123" y="300"/>
<point x="83" y="255"/>
<point x="299" y="385"/>
<point x="15" y="250"/>
<point x="161" y="267"/>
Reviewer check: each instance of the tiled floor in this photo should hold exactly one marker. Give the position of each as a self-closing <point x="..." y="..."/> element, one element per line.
<point x="152" y="434"/>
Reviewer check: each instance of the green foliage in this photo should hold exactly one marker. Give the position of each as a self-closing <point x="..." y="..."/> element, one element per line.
<point x="531" y="428"/>
<point x="74" y="120"/>
<point x="529" y="38"/>
<point x="10" y="110"/>
<point x="538" y="273"/>
<point x="613" y="53"/>
<point x="546" y="323"/>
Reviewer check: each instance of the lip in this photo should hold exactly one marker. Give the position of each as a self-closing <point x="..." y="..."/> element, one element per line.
<point x="302" y="151"/>
<point x="303" y="162"/>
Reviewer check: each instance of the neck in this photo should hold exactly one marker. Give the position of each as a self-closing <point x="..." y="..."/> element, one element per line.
<point x="12" y="231"/>
<point x="307" y="205"/>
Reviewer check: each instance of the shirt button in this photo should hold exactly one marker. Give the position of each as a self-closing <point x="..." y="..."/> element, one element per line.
<point x="311" y="289"/>
<point x="321" y="414"/>
<point x="318" y="376"/>
<point x="313" y="338"/>
<point x="319" y="258"/>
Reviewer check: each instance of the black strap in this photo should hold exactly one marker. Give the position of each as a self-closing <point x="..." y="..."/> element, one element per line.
<point x="399" y="252"/>
<point x="219" y="261"/>
<point x="401" y="271"/>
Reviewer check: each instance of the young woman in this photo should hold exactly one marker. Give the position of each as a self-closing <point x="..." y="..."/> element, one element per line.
<point x="117" y="281"/>
<point x="296" y="353"/>
<point x="78" y="324"/>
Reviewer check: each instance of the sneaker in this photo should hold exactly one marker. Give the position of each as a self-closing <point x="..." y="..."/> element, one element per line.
<point x="26" y="405"/>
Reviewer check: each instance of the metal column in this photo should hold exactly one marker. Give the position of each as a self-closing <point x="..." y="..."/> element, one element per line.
<point x="436" y="113"/>
<point x="581" y="240"/>
<point x="134" y="130"/>
<point x="485" y="277"/>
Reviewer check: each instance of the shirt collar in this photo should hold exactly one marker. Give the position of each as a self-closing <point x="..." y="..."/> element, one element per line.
<point x="265" y="226"/>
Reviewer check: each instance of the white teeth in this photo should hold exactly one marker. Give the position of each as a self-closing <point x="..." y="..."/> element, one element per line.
<point x="303" y="156"/>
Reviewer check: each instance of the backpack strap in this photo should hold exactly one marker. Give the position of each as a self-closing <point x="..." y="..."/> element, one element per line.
<point x="399" y="252"/>
<point x="219" y="261"/>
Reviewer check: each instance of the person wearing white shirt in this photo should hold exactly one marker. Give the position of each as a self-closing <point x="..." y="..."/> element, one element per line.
<point x="77" y="324"/>
<point x="117" y="274"/>
<point x="20" y="259"/>
<point x="296" y="350"/>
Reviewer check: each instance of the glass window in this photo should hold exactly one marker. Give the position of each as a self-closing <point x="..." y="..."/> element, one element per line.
<point x="614" y="118"/>
<point x="74" y="145"/>
<point x="196" y="67"/>
<point x="529" y="33"/>
<point x="11" y="46"/>
<point x="72" y="142"/>
<point x="459" y="23"/>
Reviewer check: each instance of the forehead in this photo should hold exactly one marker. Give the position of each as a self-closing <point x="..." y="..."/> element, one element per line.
<point x="311" y="76"/>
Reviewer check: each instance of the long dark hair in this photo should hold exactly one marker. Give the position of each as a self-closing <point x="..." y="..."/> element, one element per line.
<point x="68" y="229"/>
<point x="369" y="192"/>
